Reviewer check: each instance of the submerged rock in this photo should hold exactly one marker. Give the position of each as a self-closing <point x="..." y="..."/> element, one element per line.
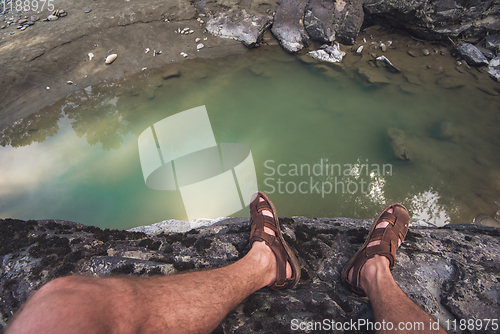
<point x="331" y="54"/>
<point x="397" y="142"/>
<point x="446" y="271"/>
<point x="450" y="83"/>
<point x="373" y="76"/>
<point x="485" y="220"/>
<point x="445" y="130"/>
<point x="472" y="55"/>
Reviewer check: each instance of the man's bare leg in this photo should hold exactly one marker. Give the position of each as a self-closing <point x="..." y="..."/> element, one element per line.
<point x="388" y="301"/>
<point x="194" y="302"/>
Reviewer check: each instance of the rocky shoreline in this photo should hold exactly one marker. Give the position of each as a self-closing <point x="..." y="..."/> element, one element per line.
<point x="452" y="272"/>
<point x="45" y="57"/>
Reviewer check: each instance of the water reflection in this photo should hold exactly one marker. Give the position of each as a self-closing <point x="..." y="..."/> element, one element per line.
<point x="78" y="159"/>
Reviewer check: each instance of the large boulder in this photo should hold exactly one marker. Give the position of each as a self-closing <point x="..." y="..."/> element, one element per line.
<point x="298" y="21"/>
<point x="326" y="21"/>
<point x="397" y="141"/>
<point x="438" y="19"/>
<point x="241" y="26"/>
<point x="288" y="26"/>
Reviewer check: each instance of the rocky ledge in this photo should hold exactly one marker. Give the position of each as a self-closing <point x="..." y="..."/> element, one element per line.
<point x="297" y="23"/>
<point x="452" y="272"/>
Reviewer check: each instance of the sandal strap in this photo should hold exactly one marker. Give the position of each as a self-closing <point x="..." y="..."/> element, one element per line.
<point x="389" y="238"/>
<point x="275" y="242"/>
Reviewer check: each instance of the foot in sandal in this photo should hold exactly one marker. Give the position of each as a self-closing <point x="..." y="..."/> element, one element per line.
<point x="266" y="234"/>
<point x="379" y="250"/>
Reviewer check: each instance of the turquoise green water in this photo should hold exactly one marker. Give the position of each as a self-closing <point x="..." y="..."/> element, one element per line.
<point x="78" y="159"/>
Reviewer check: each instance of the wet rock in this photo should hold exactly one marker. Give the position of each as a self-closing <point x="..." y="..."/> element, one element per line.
<point x="456" y="265"/>
<point x="494" y="73"/>
<point x="326" y="21"/>
<point x="241" y="26"/>
<point x="288" y="25"/>
<point x="472" y="55"/>
<point x="331" y="54"/>
<point x="359" y="50"/>
<point x="171" y="73"/>
<point x="412" y="53"/>
<point x="485" y="220"/>
<point x="492" y="42"/>
<point x="487" y="53"/>
<point x="383" y="61"/>
<point x="495" y="62"/>
<point x="397" y="142"/>
<point x="450" y="83"/>
<point x="52" y="17"/>
<point x="436" y="20"/>
<point x="383" y="47"/>
<point x="111" y="58"/>
<point x="425" y="52"/>
<point x="373" y="76"/>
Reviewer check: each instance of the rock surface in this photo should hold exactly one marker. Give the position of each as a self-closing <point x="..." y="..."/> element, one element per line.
<point x="288" y="26"/>
<point x="326" y="21"/>
<point x="452" y="272"/>
<point x="438" y="19"/>
<point x="244" y="27"/>
<point x="330" y="54"/>
<point x="472" y="55"/>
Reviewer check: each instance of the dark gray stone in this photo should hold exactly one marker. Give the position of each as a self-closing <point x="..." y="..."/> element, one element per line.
<point x="288" y="25"/>
<point x="326" y="21"/>
<point x="451" y="272"/>
<point x="492" y="42"/>
<point x="438" y="19"/>
<point x="472" y="55"/>
<point x="241" y="26"/>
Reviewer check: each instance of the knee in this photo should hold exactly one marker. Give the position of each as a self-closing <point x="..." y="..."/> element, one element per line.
<point x="62" y="284"/>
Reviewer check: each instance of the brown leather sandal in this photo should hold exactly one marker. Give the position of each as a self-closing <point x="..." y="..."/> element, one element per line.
<point x="276" y="242"/>
<point x="389" y="242"/>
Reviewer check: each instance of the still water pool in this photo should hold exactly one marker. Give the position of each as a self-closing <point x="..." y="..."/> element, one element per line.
<point x="78" y="160"/>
